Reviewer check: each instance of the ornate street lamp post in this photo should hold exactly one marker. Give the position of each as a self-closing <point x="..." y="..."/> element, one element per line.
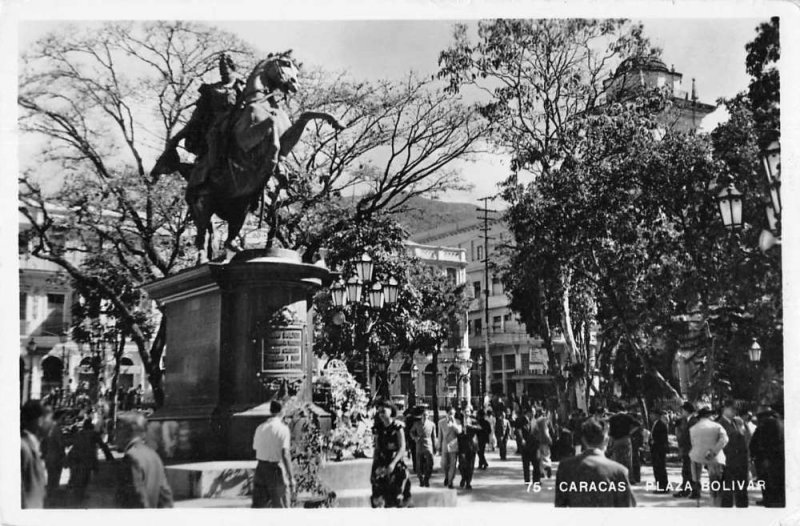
<point x="754" y="352"/>
<point x="730" y="207"/>
<point x="771" y="159"/>
<point x="412" y="393"/>
<point x="349" y="295"/>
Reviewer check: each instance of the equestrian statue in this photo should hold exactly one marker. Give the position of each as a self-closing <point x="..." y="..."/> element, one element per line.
<point x="240" y="138"/>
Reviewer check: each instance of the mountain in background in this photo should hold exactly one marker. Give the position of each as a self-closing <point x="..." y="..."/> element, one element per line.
<point x="426" y="214"/>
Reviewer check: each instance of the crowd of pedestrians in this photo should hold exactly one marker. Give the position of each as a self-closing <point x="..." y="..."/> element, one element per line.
<point x="139" y="473"/>
<point x="599" y="454"/>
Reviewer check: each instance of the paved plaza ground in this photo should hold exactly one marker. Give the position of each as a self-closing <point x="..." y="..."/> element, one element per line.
<point x="502" y="483"/>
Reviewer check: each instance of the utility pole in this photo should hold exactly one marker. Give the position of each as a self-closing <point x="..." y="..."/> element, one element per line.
<point x="485" y="211"/>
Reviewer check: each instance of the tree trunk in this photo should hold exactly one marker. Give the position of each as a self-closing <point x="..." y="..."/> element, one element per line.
<point x="154" y="373"/>
<point x="547" y="335"/>
<point x="382" y="381"/>
<point x="569" y="339"/>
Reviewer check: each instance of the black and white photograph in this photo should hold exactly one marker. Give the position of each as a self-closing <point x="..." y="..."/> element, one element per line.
<point x="353" y="259"/>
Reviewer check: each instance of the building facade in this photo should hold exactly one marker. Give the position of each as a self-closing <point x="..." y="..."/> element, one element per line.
<point x="49" y="359"/>
<point x="516" y="362"/>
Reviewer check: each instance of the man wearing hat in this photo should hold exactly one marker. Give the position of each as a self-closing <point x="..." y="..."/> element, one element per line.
<point x="687" y="420"/>
<point x="142" y="482"/>
<point x="659" y="444"/>
<point x="272" y="444"/>
<point x="423" y="434"/>
<point x="708" y="441"/>
<point x="737" y="457"/>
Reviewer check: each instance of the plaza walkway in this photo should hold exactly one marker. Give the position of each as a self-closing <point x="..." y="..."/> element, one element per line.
<point x="502" y="483"/>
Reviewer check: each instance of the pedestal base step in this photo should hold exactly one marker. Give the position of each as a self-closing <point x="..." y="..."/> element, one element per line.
<point x="349" y="498"/>
<point x="232" y="479"/>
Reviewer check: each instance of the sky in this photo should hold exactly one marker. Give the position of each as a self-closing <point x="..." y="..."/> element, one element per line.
<point x="710" y="50"/>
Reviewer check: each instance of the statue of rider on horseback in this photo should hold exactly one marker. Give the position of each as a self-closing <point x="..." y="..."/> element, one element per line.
<point x="240" y="137"/>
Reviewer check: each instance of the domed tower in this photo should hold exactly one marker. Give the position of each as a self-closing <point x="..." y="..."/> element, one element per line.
<point x="638" y="74"/>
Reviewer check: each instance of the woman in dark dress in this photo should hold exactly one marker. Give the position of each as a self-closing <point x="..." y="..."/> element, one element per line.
<point x="391" y="485"/>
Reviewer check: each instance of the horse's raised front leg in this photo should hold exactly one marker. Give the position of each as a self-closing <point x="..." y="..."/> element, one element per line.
<point x="292" y="135"/>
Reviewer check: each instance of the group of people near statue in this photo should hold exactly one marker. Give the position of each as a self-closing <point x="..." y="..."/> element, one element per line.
<point x="139" y="474"/>
<point x="739" y="453"/>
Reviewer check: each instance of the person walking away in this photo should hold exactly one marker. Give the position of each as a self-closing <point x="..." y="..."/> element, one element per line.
<point x="737" y="458"/>
<point x="53" y="452"/>
<point x="659" y="445"/>
<point x="620" y="427"/>
<point x="449" y="430"/>
<point x="528" y="447"/>
<point x="492" y="421"/>
<point x="502" y="431"/>
<point x="33" y="416"/>
<point x="272" y="445"/>
<point x="544" y="436"/>
<point x="423" y="433"/>
<point x="409" y="419"/>
<point x="685" y="422"/>
<point x="590" y="479"/>
<point x="708" y="441"/>
<point x="391" y="487"/>
<point x="142" y="482"/>
<point x="467" y="447"/>
<point x="483" y="438"/>
<point x="768" y="452"/>
<point x="82" y="460"/>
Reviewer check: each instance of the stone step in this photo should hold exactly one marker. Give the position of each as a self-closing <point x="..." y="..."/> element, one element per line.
<point x="349" y="498"/>
<point x="233" y="478"/>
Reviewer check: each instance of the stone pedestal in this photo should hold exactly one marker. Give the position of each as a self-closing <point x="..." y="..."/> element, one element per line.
<point x="238" y="334"/>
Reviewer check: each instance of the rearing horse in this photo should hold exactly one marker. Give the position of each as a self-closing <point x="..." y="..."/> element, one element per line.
<point x="246" y="149"/>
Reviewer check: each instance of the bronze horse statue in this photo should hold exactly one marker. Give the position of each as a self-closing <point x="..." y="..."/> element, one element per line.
<point x="246" y="144"/>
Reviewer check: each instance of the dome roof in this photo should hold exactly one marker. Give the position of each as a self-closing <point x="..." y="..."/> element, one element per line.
<point x="651" y="63"/>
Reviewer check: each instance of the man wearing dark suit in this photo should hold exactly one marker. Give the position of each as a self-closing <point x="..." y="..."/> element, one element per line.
<point x="737" y="458"/>
<point x="686" y="421"/>
<point x="32" y="469"/>
<point x="590" y="479"/>
<point x="768" y="452"/>
<point x="659" y="444"/>
<point x="53" y="453"/>
<point x="528" y="446"/>
<point x="142" y="482"/>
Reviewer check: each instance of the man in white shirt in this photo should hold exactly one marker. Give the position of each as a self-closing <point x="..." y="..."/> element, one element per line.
<point x="708" y="440"/>
<point x="271" y="443"/>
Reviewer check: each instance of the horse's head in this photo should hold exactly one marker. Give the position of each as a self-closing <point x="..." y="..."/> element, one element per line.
<point x="280" y="73"/>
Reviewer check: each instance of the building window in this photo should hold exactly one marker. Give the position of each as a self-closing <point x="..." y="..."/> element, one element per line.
<point x="497" y="324"/>
<point x="54" y="323"/>
<point x="469" y="326"/>
<point x="510" y="361"/>
<point x="497" y="364"/>
<point x="526" y="361"/>
<point x="480" y="253"/>
<point x="497" y="287"/>
<point x="452" y="274"/>
<point x="430" y="380"/>
<point x="478" y="327"/>
<point x="507" y="317"/>
<point x="23" y="306"/>
<point x="476" y="289"/>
